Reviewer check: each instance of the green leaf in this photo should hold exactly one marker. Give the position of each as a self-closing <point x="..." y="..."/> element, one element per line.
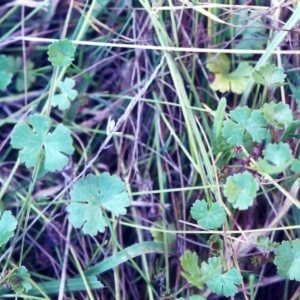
<point x="211" y="269"/>
<point x="277" y="157"/>
<point x="19" y="280"/>
<point x="290" y="131"/>
<point x="51" y="287"/>
<point x="16" y="67"/>
<point x="37" y="138"/>
<point x="234" y="81"/>
<point x="226" y="283"/>
<point x="61" y="53"/>
<point x="208" y="218"/>
<point x="92" y="194"/>
<point x="248" y="42"/>
<point x="240" y="190"/>
<point x="196" y="276"/>
<point x="244" y="120"/>
<point x="158" y="236"/>
<point x="287" y="259"/>
<point x="193" y="297"/>
<point x="218" y="124"/>
<point x="132" y="251"/>
<point x="295" y="166"/>
<point x="8" y="224"/>
<point x="215" y="244"/>
<point x="264" y="244"/>
<point x="296" y="93"/>
<point x="210" y="273"/>
<point x="218" y="63"/>
<point x="277" y="114"/>
<point x="239" y="77"/>
<point x="5" y="74"/>
<point x="192" y="272"/>
<point x="252" y="22"/>
<point x="77" y="284"/>
<point x="196" y="297"/>
<point x="20" y="77"/>
<point x="269" y="75"/>
<point x="254" y="34"/>
<point x="67" y="94"/>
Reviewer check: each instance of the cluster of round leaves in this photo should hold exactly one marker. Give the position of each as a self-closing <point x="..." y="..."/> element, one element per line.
<point x="287" y="256"/>
<point x="245" y="124"/>
<point x="241" y="189"/>
<point x="255" y="125"/>
<point x="211" y="274"/>
<point x="18" y="279"/>
<point x="41" y="141"/>
<point x="92" y="195"/>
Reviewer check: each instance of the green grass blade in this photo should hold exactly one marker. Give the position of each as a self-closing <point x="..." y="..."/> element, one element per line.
<point x="218" y="124"/>
<point x="119" y="258"/>
<point x="72" y="285"/>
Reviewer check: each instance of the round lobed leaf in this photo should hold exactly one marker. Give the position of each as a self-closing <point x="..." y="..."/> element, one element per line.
<point x="240" y="190"/>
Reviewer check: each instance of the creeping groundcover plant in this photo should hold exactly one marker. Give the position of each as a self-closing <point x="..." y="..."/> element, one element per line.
<point x="262" y="155"/>
<point x="261" y="141"/>
<point x="46" y="147"/>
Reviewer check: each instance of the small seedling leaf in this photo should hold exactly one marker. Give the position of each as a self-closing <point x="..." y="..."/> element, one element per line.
<point x="67" y="94"/>
<point x="210" y="273"/>
<point x="92" y="194"/>
<point x="252" y="23"/>
<point x="30" y="77"/>
<point x="244" y="120"/>
<point x="264" y="244"/>
<point x="211" y="269"/>
<point x="226" y="283"/>
<point x="277" y="157"/>
<point x="195" y="275"/>
<point x="240" y="190"/>
<point x="208" y="218"/>
<point x="5" y="74"/>
<point x="255" y="42"/>
<point x="20" y="280"/>
<point x="239" y="77"/>
<point x="277" y="114"/>
<point x="216" y="244"/>
<point x="295" y="166"/>
<point x="269" y="75"/>
<point x="61" y="53"/>
<point x="287" y="259"/>
<point x="235" y="81"/>
<point x="8" y="224"/>
<point x="218" y="63"/>
<point x="158" y="236"/>
<point x="192" y="272"/>
<point x="36" y="138"/>
<point x="254" y="32"/>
